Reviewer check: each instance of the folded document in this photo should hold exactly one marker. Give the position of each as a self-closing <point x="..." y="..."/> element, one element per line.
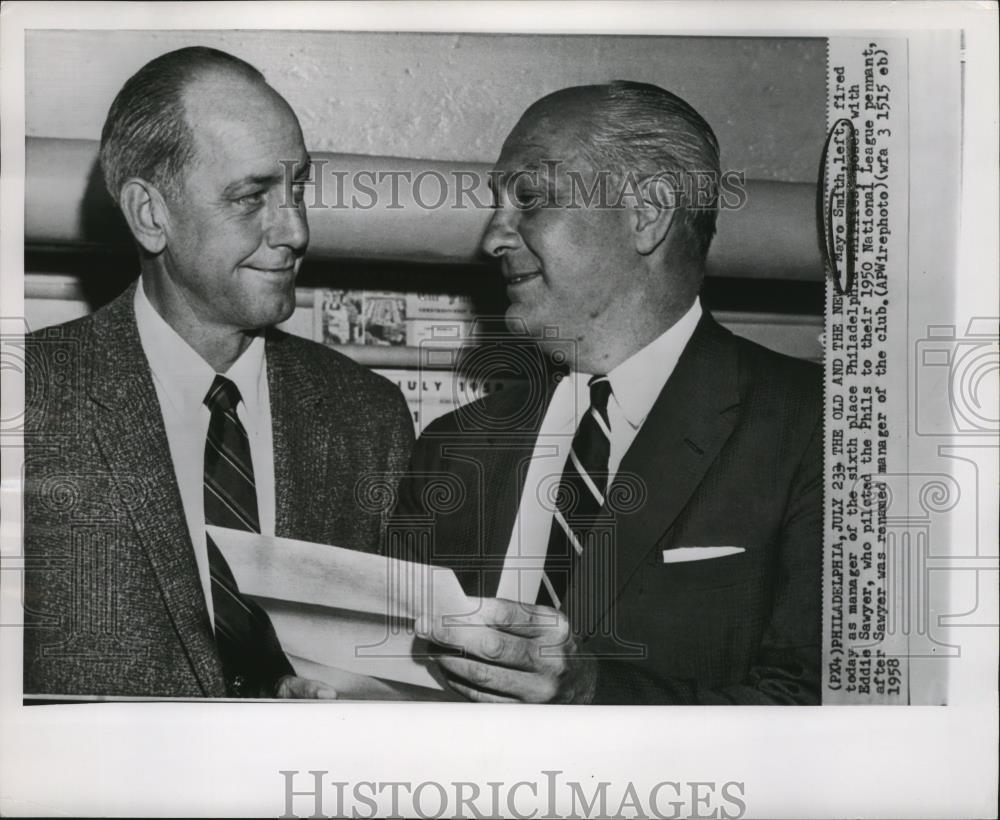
<point x="344" y="616"/>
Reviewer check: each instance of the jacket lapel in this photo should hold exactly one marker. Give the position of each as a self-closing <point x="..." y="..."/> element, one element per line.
<point x="503" y="452"/>
<point x="130" y="433"/>
<point x="295" y="403"/>
<point x="686" y="428"/>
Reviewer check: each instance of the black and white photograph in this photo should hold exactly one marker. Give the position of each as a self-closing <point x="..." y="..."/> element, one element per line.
<point x="418" y="374"/>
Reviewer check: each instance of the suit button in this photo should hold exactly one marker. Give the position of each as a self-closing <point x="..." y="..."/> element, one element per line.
<point x="238" y="685"/>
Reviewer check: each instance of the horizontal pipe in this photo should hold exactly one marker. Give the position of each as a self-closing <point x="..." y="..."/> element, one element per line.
<point x="773" y="236"/>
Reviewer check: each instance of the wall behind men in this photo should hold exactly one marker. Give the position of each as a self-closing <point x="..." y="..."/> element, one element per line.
<point x="456" y="96"/>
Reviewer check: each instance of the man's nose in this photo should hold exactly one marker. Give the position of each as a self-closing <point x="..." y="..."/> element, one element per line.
<point x="289" y="227"/>
<point x="501" y="233"/>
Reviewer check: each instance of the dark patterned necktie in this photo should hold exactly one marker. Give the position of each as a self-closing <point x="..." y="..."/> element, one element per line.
<point x="580" y="497"/>
<point x="252" y="659"/>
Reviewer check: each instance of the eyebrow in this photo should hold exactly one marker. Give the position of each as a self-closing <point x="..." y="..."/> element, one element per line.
<point x="502" y="177"/>
<point x="533" y="171"/>
<point x="264" y="180"/>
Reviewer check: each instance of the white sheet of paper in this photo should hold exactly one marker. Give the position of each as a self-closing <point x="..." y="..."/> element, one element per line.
<point x="353" y="641"/>
<point x="345" y="610"/>
<point x="324" y="575"/>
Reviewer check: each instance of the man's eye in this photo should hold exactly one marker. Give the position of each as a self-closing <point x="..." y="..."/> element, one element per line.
<point x="527" y="199"/>
<point x="298" y="193"/>
<point x="250" y="201"/>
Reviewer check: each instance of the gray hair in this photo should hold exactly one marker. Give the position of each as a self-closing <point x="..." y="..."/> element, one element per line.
<point x="644" y="130"/>
<point x="146" y="134"/>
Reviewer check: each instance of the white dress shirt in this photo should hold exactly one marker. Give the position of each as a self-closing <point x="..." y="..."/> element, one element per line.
<point x="182" y="379"/>
<point x="635" y="385"/>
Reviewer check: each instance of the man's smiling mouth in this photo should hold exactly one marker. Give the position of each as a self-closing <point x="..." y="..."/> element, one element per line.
<point x="513" y="279"/>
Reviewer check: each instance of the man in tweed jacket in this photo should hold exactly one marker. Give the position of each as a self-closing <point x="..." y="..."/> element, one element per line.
<point x="117" y="599"/>
<point x="694" y="577"/>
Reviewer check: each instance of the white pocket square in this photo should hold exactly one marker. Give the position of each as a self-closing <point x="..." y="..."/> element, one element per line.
<point x="680" y="554"/>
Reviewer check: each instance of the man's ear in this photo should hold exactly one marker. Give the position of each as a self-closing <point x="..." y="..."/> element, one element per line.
<point x="146" y="213"/>
<point x="653" y="216"/>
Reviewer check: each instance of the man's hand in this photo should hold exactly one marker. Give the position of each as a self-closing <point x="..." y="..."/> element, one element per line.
<point x="522" y="653"/>
<point x="292" y="686"/>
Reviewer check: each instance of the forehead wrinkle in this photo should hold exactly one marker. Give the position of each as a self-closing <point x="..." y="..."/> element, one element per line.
<point x="273" y="178"/>
<point x="562" y="136"/>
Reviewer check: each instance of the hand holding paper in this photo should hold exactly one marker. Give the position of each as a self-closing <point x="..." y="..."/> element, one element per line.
<point x="519" y="653"/>
<point x="299" y="688"/>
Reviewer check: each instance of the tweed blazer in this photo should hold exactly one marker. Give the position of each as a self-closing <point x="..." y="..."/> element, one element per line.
<point x="114" y="604"/>
<point x="729" y="456"/>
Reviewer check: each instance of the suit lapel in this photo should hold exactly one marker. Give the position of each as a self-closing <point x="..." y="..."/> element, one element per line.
<point x="295" y="402"/>
<point x="504" y="453"/>
<point x="686" y="428"/>
<point x="130" y="433"/>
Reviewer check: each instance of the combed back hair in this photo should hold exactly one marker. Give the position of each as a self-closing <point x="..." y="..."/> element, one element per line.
<point x="646" y="130"/>
<point x="146" y="134"/>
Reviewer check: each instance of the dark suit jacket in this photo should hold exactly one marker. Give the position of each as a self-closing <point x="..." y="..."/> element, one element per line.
<point x="730" y="455"/>
<point x="114" y="601"/>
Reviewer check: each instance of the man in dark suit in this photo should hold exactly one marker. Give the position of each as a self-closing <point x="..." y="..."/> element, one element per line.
<point x="645" y="527"/>
<point x="180" y="405"/>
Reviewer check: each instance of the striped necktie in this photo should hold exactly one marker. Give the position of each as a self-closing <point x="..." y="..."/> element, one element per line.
<point x="580" y="497"/>
<point x="252" y="659"/>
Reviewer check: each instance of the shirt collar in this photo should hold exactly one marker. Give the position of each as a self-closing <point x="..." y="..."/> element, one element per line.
<point x="637" y="381"/>
<point x="185" y="376"/>
<point x="249" y="373"/>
